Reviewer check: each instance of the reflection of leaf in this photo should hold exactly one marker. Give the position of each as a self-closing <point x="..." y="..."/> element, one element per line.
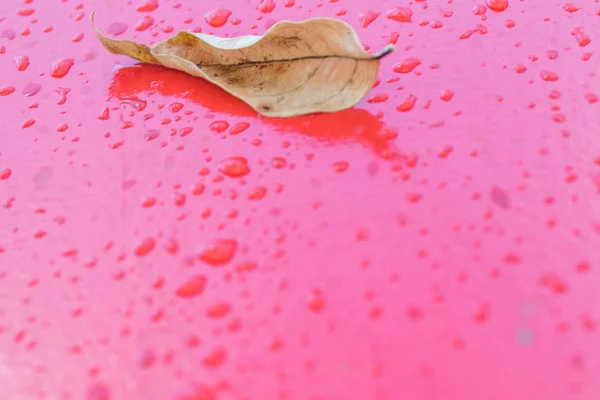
<point x="348" y="126"/>
<point x="293" y="69"/>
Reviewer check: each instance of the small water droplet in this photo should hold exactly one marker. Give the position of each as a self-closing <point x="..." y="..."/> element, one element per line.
<point x="400" y="14"/>
<point x="340" y="166"/>
<point x="520" y="68"/>
<point x="116" y="28"/>
<point x="447" y="95"/>
<point x="316" y="301"/>
<point x="5" y="174"/>
<point x="582" y="38"/>
<point x="147" y="6"/>
<point x="234" y="167"/>
<point x="219" y="126"/>
<point x="193" y="287"/>
<point x="218" y="310"/>
<point x="279" y="162"/>
<point x="6" y="90"/>
<point x="98" y="391"/>
<point x="62" y="67"/>
<point x="548" y="76"/>
<point x="25" y="12"/>
<point x="219" y="252"/>
<point x="21" y="62"/>
<point x="571" y="8"/>
<point x="368" y="17"/>
<point x="479" y="9"/>
<point x="407" y="65"/>
<point x="145" y="246"/>
<point x="144" y="23"/>
<point x="217" y="18"/>
<point x="407" y="104"/>
<point x="239" y="128"/>
<point x="266" y="6"/>
<point x="497" y="5"/>
<point x="31" y="89"/>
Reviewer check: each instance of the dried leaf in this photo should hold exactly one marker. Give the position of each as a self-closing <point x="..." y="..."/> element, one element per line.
<point x="293" y="69"/>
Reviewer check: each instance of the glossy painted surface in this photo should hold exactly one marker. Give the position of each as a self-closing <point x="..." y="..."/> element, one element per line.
<point x="159" y="240"/>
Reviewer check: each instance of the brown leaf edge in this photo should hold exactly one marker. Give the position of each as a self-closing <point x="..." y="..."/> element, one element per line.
<point x="144" y="54"/>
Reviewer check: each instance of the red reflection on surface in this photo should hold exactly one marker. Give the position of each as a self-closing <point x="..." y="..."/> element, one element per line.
<point x="351" y="125"/>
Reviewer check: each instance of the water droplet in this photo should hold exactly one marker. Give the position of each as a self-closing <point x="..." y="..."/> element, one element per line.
<point x="5" y="174"/>
<point x="22" y="63"/>
<point x="219" y="126"/>
<point x="62" y="92"/>
<point x="479" y="9"/>
<point x="520" y="68"/>
<point x="413" y="197"/>
<point x="447" y="95"/>
<point x="147" y="6"/>
<point x="316" y="301"/>
<point x="6" y="90"/>
<point x="215" y="358"/>
<point x="582" y="38"/>
<point x="497" y="5"/>
<point x="401" y="14"/>
<point x="407" y="65"/>
<point x="266" y="6"/>
<point x="570" y="7"/>
<point x="144" y="23"/>
<point x="500" y="197"/>
<point x="279" y="162"/>
<point x="116" y="28"/>
<point x="234" y="167"/>
<point x="217" y="18"/>
<point x="239" y="128"/>
<point x="31" y="89"/>
<point x="175" y="107"/>
<point x="147" y="359"/>
<point x="218" y="310"/>
<point x="193" y="287"/>
<point x="368" y="17"/>
<point x="591" y="98"/>
<point x="180" y="199"/>
<point x="340" y="166"/>
<point x="548" y="76"/>
<point x="378" y="98"/>
<point x="149" y="201"/>
<point x="62" y="67"/>
<point x="219" y="252"/>
<point x="8" y="34"/>
<point x="408" y="104"/>
<point x="98" y="391"/>
<point x="25" y="12"/>
<point x="145" y="247"/>
<point x="554" y="283"/>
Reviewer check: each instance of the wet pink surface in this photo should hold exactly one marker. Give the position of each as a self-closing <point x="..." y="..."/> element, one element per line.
<point x="159" y="240"/>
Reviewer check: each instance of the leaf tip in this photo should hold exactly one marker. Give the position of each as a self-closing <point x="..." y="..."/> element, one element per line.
<point x="386" y="50"/>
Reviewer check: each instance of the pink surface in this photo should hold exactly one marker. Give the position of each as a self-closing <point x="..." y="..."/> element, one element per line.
<point x="159" y="240"/>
